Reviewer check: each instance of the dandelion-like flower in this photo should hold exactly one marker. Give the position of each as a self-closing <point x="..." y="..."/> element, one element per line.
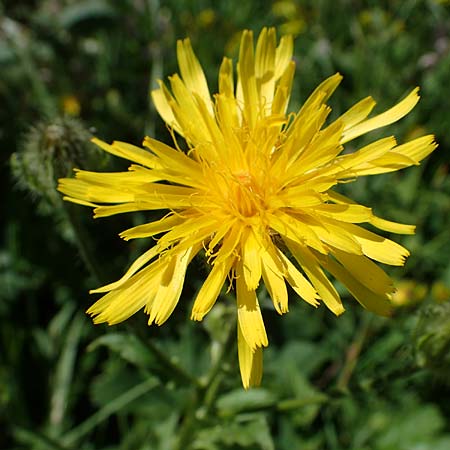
<point x="255" y="191"/>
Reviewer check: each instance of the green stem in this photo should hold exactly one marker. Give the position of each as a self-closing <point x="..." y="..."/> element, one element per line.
<point x="77" y="433"/>
<point x="353" y="352"/>
<point x="85" y="247"/>
<point x="205" y="395"/>
<point x="33" y="439"/>
<point x="176" y="370"/>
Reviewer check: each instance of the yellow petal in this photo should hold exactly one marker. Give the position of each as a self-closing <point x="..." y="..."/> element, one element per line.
<point x="323" y="91"/>
<point x="377" y="303"/>
<point x="298" y="197"/>
<point x="247" y="78"/>
<point x="89" y="192"/>
<point x="272" y="272"/>
<point x="250" y="362"/>
<point x="190" y="228"/>
<point x="347" y="166"/>
<point x="418" y="148"/>
<point x="333" y="234"/>
<point x="357" y="113"/>
<point x="296" y="230"/>
<point x="229" y="244"/>
<point x="152" y="228"/>
<point x="170" y="287"/>
<point x="392" y="227"/>
<point x="210" y="289"/>
<point x="319" y="280"/>
<point x="344" y="213"/>
<point x="381" y="120"/>
<point x="226" y="83"/>
<point x="299" y="283"/>
<point x="137" y="264"/>
<point x="192" y="72"/>
<point x="377" y="247"/>
<point x="174" y="160"/>
<point x="402" y="156"/>
<point x="283" y="90"/>
<point x="118" y="305"/>
<point x="251" y="259"/>
<point x="366" y="272"/>
<point x="382" y="224"/>
<point x="136" y="176"/>
<point x="249" y="314"/>
<point x="162" y="100"/>
<point x="265" y="65"/>
<point x="128" y="151"/>
<point x="77" y="200"/>
<point x="283" y="55"/>
<point x="187" y="113"/>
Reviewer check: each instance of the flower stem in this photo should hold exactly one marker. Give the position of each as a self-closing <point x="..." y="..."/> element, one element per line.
<point x="353" y="352"/>
<point x="85" y="247"/>
<point x="204" y="395"/>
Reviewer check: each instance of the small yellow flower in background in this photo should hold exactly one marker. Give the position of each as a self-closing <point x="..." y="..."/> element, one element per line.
<point x="409" y="293"/>
<point x="70" y="105"/>
<point x="255" y="191"/>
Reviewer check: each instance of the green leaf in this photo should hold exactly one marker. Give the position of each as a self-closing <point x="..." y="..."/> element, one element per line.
<point x="128" y="346"/>
<point x="240" y="400"/>
<point x="79" y="12"/>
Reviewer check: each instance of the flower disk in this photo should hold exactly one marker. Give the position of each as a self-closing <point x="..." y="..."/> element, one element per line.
<point x="255" y="190"/>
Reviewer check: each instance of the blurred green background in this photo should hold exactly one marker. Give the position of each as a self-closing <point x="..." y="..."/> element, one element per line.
<point x="70" y="69"/>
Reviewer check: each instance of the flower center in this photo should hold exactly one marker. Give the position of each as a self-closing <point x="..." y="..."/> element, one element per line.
<point x="246" y="197"/>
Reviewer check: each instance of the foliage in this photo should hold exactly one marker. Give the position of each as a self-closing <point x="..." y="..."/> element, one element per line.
<point x="358" y="382"/>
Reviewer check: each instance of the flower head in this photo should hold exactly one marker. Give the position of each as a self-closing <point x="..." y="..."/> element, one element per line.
<point x="255" y="190"/>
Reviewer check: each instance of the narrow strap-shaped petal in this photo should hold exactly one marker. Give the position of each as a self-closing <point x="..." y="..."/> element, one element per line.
<point x="377" y="247"/>
<point x="128" y="151"/>
<point x="249" y="314"/>
<point x="211" y="288"/>
<point x="152" y="228"/>
<point x="162" y="99"/>
<point x="309" y="264"/>
<point x="357" y="113"/>
<point x="251" y="259"/>
<point x="250" y="362"/>
<point x="273" y="271"/>
<point x="283" y="55"/>
<point x="130" y="297"/>
<point x="265" y="66"/>
<point x="247" y="79"/>
<point x="382" y="224"/>
<point x="192" y="72"/>
<point x="323" y="91"/>
<point x="366" y="271"/>
<point x="381" y="120"/>
<point x="226" y="83"/>
<point x="377" y="303"/>
<point x="402" y="156"/>
<point x="296" y="230"/>
<point x="298" y="282"/>
<point x="137" y="264"/>
<point x="170" y="286"/>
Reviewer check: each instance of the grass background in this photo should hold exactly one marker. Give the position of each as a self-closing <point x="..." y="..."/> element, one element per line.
<point x="70" y="69"/>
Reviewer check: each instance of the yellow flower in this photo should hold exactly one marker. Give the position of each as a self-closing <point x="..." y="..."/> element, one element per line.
<point x="255" y="192"/>
<point x="70" y="105"/>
